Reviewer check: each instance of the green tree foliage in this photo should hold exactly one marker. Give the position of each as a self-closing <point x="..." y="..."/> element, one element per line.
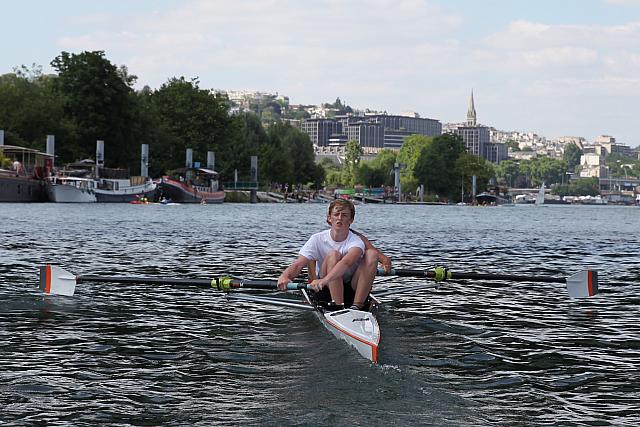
<point x="99" y="100"/>
<point x="408" y="156"/>
<point x="5" y="162"/>
<point x="29" y="109"/>
<point x="546" y="169"/>
<point x="275" y="165"/>
<point x="332" y="172"/>
<point x="292" y="149"/>
<point x="435" y="166"/>
<point x="195" y="118"/>
<point x="621" y="166"/>
<point x="513" y="145"/>
<point x="507" y="172"/>
<point x="378" y="172"/>
<point x="353" y="152"/>
<point x="339" y="106"/>
<point x="580" y="187"/>
<point x="298" y="114"/>
<point x="571" y="156"/>
<point x="532" y="172"/>
<point x="468" y="165"/>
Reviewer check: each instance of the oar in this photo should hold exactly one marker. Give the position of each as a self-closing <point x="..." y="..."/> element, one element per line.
<point x="57" y="281"/>
<point x="580" y="285"/>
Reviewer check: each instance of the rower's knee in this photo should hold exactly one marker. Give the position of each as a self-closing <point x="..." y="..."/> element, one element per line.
<point x="371" y="258"/>
<point x="333" y="257"/>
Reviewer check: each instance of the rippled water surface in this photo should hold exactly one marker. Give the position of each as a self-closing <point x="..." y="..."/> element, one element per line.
<point x="462" y="353"/>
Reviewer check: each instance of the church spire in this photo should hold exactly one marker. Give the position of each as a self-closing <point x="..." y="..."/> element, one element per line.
<point x="471" y="112"/>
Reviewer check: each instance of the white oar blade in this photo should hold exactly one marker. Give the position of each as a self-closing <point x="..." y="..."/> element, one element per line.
<point x="583" y="284"/>
<point x="56" y="281"/>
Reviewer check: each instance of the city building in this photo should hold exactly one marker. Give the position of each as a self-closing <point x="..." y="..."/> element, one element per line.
<point x="592" y="165"/>
<point x="373" y="132"/>
<point x="477" y="138"/>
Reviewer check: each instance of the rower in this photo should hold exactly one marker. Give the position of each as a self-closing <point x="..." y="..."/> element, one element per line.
<point x="372" y="256"/>
<point x="341" y="256"/>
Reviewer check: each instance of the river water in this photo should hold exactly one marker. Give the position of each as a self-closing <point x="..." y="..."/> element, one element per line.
<point x="462" y="353"/>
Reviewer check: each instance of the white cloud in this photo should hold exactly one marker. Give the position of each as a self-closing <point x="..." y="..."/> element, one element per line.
<point x="392" y="55"/>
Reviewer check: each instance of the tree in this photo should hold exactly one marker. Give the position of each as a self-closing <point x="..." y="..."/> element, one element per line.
<point x="513" y="145"/>
<point x="297" y="149"/>
<point x="378" y="171"/>
<point x="247" y="137"/>
<point x="195" y="118"/>
<point x="332" y="172"/>
<point x="29" y="109"/>
<point x="621" y="166"/>
<point x="469" y="165"/>
<point x="276" y="165"/>
<point x="571" y="156"/>
<point x="408" y="156"/>
<point x="435" y="166"/>
<point x="580" y="187"/>
<point x="507" y="172"/>
<point x="99" y="100"/>
<point x="353" y="152"/>
<point x="545" y="169"/>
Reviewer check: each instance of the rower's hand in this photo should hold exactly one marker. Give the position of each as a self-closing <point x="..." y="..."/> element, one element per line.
<point x="386" y="262"/>
<point x="283" y="280"/>
<point x="317" y="285"/>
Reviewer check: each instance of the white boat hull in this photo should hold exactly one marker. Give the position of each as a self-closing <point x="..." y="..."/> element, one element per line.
<point x="63" y="193"/>
<point x="359" y="329"/>
<point x="126" y="193"/>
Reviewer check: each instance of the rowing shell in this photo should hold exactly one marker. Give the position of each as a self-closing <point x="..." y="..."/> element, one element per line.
<point x="358" y="328"/>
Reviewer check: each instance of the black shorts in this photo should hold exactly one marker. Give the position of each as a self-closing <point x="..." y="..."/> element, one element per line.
<point x="325" y="295"/>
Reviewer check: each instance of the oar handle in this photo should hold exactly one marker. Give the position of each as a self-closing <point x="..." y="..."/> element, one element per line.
<point x="226" y="284"/>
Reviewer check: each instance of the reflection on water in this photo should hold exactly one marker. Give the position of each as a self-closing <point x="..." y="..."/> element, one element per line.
<point x="456" y="354"/>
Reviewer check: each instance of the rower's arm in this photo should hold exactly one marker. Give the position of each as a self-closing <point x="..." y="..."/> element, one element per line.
<point x="311" y="266"/>
<point x="382" y="258"/>
<point x="291" y="272"/>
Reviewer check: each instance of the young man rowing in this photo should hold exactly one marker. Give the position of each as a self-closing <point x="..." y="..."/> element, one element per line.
<point x="341" y="256"/>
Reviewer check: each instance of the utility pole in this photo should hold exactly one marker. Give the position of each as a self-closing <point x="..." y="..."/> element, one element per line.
<point x="397" y="167"/>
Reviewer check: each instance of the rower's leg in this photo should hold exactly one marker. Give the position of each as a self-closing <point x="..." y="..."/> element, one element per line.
<point x="362" y="280"/>
<point x="335" y="286"/>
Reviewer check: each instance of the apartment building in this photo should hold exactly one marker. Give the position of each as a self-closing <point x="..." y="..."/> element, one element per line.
<point x="373" y="132"/>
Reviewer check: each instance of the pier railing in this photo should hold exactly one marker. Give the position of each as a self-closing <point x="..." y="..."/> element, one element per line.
<point x="240" y="185"/>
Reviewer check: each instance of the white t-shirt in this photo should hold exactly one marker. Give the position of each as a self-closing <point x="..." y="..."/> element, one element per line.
<point x="320" y="244"/>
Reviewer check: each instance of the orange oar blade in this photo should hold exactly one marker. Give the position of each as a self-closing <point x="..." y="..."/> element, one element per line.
<point x="583" y="284"/>
<point x="56" y="281"/>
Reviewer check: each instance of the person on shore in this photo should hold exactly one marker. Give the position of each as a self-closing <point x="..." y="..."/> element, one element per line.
<point x="342" y="258"/>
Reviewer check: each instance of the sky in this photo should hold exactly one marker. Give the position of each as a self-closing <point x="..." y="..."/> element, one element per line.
<point x="553" y="67"/>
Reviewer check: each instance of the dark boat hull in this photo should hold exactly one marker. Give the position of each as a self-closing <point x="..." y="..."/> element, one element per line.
<point x="179" y="192"/>
<point x="113" y="197"/>
<point x="21" y="189"/>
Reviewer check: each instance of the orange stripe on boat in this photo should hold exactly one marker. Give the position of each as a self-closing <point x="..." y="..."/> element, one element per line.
<point x="47" y="286"/>
<point x="590" y="281"/>
<point x="373" y="345"/>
